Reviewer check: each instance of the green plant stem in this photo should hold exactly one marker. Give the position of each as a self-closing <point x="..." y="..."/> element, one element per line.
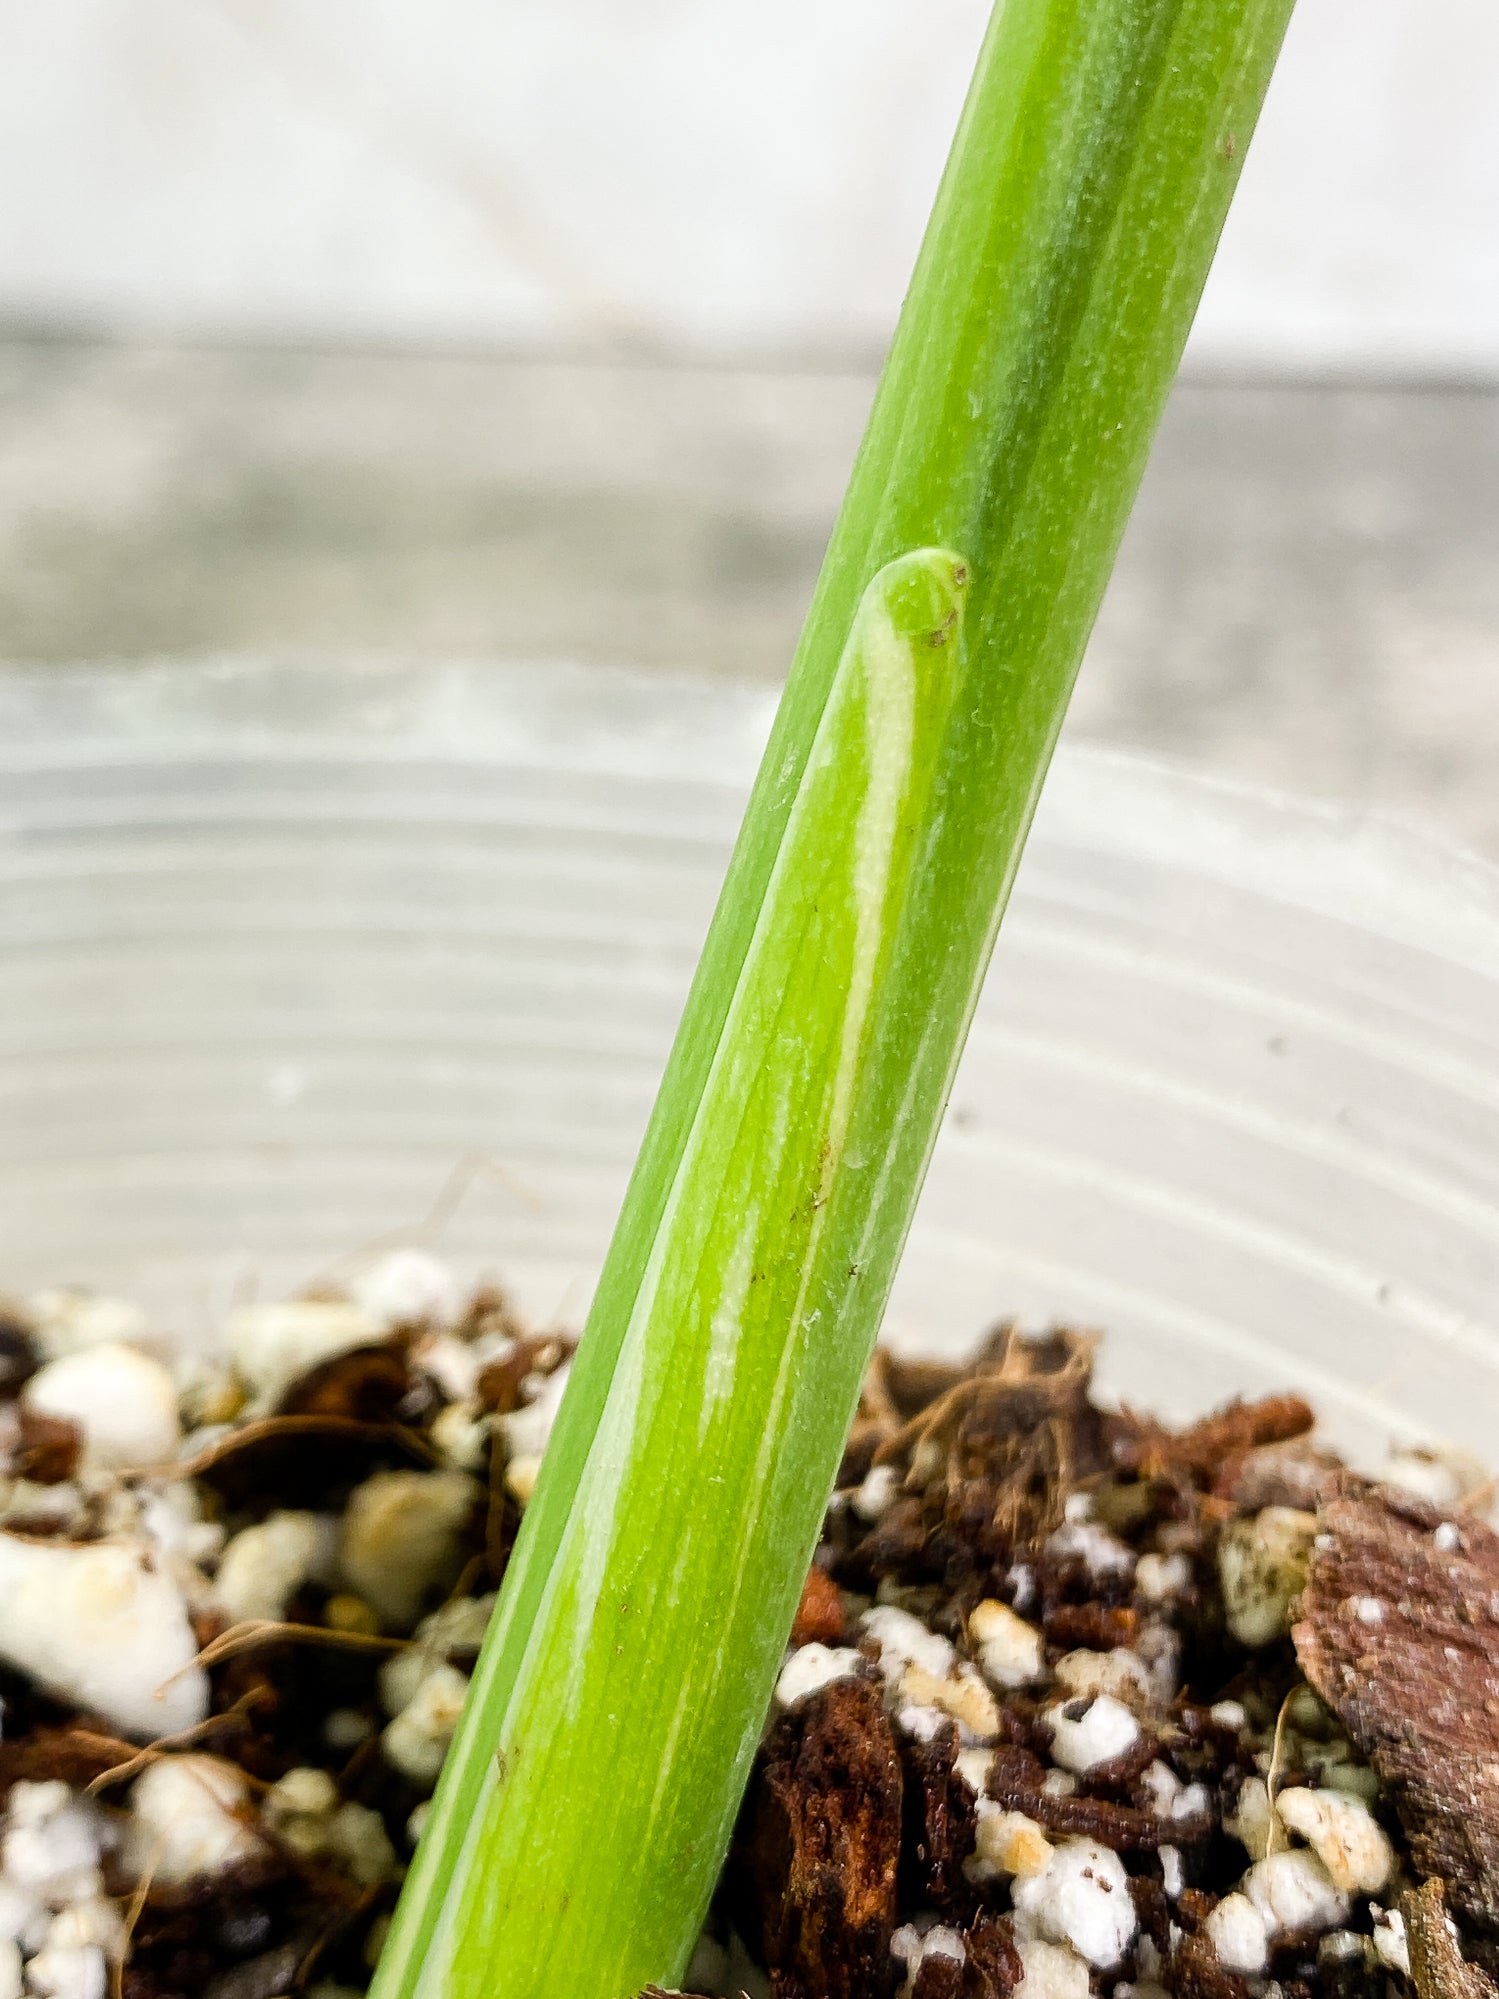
<point x="587" y="1803"/>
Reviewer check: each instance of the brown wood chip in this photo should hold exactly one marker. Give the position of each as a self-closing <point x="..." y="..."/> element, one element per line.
<point x="1193" y="1972"/>
<point x="941" y="1825"/>
<point x="820" y="1843"/>
<point x="1399" y="1634"/>
<point x="994" y="1968"/>
<point x="1438" y="1968"/>
<point x="819" y="1615"/>
<point x="48" y="1448"/>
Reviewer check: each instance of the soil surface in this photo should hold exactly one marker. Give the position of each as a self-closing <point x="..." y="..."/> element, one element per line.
<point x="1077" y="1706"/>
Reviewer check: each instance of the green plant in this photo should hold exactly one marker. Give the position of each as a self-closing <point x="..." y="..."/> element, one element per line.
<point x="584" y="1813"/>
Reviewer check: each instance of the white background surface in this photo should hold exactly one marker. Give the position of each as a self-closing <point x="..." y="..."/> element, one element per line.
<point x="688" y="172"/>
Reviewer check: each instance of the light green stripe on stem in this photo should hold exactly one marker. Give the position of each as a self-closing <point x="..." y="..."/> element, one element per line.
<point x="581" y="1821"/>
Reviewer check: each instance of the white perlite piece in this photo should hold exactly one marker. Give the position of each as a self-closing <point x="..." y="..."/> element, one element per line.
<point x="57" y="1972"/>
<point x="1009" y="1650"/>
<point x="458" y="1626"/>
<point x="52" y="1846"/>
<point x="461" y="1433"/>
<point x="910" y="1947"/>
<point x="527" y="1430"/>
<point x="23" y="1915"/>
<point x="409" y="1287"/>
<point x="1249" y="1822"/>
<point x="172" y="1516"/>
<point x="1081" y="1898"/>
<point x="100" y="1624"/>
<point x="46" y="1509"/>
<point x="400" y="1540"/>
<point x="1344" y="1835"/>
<point x="874" y="1496"/>
<point x="1010" y="1842"/>
<point x="123" y="1401"/>
<point x="1341" y="1946"/>
<point x="416" y="1742"/>
<point x="274" y="1344"/>
<point x="973" y="1766"/>
<point x="812" y="1667"/>
<point x="962" y="1695"/>
<point x="304" y="1811"/>
<point x="1050" y="1971"/>
<point x="66" y="1321"/>
<point x="452" y="1363"/>
<point x="1294" y="1892"/>
<point x="264" y="1566"/>
<point x="1102" y="1554"/>
<point x="1443" y="1474"/>
<point x="1158" y="1578"/>
<point x="1120" y="1673"/>
<point x="1262" y="1566"/>
<point x="1238" y="1933"/>
<point x="1170" y="1798"/>
<point x="1104" y="1730"/>
<point x="185" y="1819"/>
<point x="1390" y="1945"/>
<point x="521" y="1475"/>
<point x="10" y="1968"/>
<point x="905" y="1641"/>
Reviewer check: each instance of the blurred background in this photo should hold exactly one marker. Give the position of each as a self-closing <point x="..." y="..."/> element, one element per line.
<point x="545" y="330"/>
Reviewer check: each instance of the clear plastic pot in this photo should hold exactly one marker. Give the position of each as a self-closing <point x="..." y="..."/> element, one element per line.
<point x="294" y="958"/>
